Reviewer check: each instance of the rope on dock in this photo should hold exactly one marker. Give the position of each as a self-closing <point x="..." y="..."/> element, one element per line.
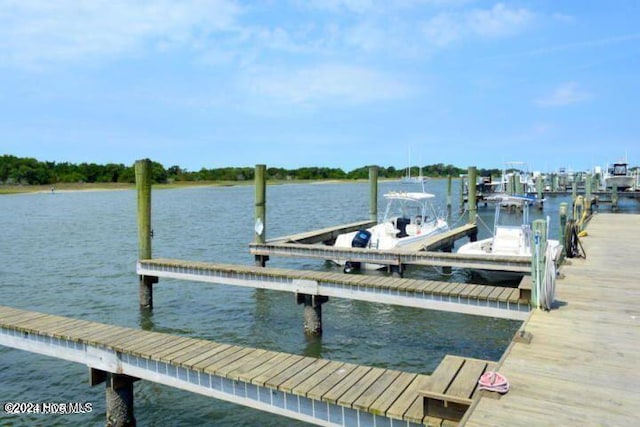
<point x="572" y="244"/>
<point x="547" y="292"/>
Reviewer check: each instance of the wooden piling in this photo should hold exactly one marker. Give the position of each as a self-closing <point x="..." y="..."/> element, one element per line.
<point x="471" y="200"/>
<point x="574" y="191"/>
<point x="119" y="396"/>
<point x="145" y="233"/>
<point x="260" y="227"/>
<point x="449" y="187"/>
<point x="587" y="192"/>
<point x="563" y="224"/>
<point x="539" y="194"/>
<point x="614" y="197"/>
<point x="373" y="193"/>
<point x="461" y="193"/>
<point x="538" y="250"/>
<point x="312" y="312"/>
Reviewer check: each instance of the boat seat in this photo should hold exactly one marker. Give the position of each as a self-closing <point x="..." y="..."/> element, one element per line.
<point x="507" y="240"/>
<point x="412" y="229"/>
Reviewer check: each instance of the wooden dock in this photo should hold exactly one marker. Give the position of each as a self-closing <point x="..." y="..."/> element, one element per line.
<point x="581" y="367"/>
<point x="317" y="391"/>
<point x="307" y="245"/>
<point x="483" y="300"/>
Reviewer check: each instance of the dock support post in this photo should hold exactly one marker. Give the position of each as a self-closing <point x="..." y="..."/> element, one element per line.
<point x="471" y="199"/>
<point x="538" y="250"/>
<point x="563" y="224"/>
<point x="587" y="192"/>
<point x="554" y="182"/>
<point x="461" y="193"/>
<point x="145" y="233"/>
<point x="446" y="269"/>
<point x="520" y="187"/>
<point x="260" y="227"/>
<point x="119" y="395"/>
<point x="614" y="198"/>
<point x="449" y="181"/>
<point x="397" y="270"/>
<point x="312" y="312"/>
<point x="373" y="193"/>
<point x="512" y="184"/>
<point x="574" y="191"/>
<point x="539" y="191"/>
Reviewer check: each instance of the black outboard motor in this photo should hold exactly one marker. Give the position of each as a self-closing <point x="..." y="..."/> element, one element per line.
<point x="360" y="240"/>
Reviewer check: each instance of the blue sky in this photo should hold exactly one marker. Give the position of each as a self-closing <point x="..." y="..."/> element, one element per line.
<point x="336" y="83"/>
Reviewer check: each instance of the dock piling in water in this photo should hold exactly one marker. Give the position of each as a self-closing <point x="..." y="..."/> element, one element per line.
<point x="471" y="200"/>
<point x="449" y="180"/>
<point x="373" y="190"/>
<point x="260" y="229"/>
<point x="145" y="233"/>
<point x="119" y="395"/>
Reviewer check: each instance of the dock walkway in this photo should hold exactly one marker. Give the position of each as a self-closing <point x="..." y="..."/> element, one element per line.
<point x="317" y="391"/>
<point x="582" y="365"/>
<point x="482" y="300"/>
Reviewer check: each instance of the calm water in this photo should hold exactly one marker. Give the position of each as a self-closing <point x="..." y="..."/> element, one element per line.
<point x="74" y="254"/>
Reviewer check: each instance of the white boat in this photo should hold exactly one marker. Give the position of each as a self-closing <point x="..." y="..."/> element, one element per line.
<point x="409" y="218"/>
<point x="511" y="240"/>
<point x="619" y="176"/>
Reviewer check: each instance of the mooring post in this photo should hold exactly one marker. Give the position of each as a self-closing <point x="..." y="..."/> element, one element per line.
<point x="614" y="197"/>
<point x="119" y="396"/>
<point x="574" y="191"/>
<point x="539" y="191"/>
<point x="145" y="233"/>
<point x="449" y="192"/>
<point x="538" y="250"/>
<point x="554" y="182"/>
<point x="563" y="224"/>
<point x="373" y="193"/>
<point x="260" y="227"/>
<point x="461" y="193"/>
<point x="519" y="184"/>
<point x="471" y="199"/>
<point x="312" y="312"/>
<point x="587" y="192"/>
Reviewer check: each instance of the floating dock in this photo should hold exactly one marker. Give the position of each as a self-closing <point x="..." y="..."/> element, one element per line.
<point x="581" y="366"/>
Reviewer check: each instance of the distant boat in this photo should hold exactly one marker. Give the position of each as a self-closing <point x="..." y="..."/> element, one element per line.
<point x="618" y="175"/>
<point x="408" y="179"/>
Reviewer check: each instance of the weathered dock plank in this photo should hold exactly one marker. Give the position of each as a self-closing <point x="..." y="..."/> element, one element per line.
<point x="579" y="368"/>
<point x="449" y="296"/>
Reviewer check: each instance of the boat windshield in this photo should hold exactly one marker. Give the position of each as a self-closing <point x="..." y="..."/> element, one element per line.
<point x="619" y="169"/>
<point x="407" y="205"/>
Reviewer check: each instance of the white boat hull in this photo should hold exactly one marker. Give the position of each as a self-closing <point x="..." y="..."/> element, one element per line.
<point x="383" y="238"/>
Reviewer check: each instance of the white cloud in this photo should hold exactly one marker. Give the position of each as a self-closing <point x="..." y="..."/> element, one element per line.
<point x="446" y="27"/>
<point x="312" y="85"/>
<point x="565" y="94"/>
<point x="38" y="31"/>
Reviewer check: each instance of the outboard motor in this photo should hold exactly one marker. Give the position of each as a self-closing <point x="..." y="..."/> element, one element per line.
<point x="360" y="240"/>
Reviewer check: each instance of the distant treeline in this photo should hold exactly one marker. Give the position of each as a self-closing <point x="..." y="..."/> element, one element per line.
<point x="16" y="170"/>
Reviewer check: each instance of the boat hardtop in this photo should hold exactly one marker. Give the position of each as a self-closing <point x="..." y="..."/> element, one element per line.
<point x="409" y="196"/>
